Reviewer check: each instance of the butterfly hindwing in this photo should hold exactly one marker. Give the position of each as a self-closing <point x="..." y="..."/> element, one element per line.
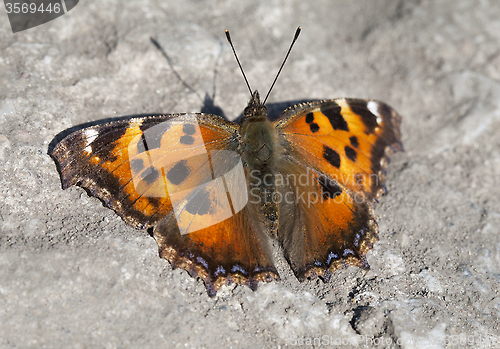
<point x="233" y="250"/>
<point x="322" y="226"/>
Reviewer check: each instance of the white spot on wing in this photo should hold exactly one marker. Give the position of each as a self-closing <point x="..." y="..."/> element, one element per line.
<point x="373" y="108"/>
<point x="90" y="136"/>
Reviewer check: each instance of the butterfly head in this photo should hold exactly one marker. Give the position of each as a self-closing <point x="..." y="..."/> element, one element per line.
<point x="255" y="110"/>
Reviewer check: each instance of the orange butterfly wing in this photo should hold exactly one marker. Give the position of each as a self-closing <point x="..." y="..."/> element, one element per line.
<point x="342" y="148"/>
<point x="179" y="173"/>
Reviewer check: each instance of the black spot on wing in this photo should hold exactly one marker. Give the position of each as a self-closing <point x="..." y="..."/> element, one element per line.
<point x="329" y="188"/>
<point x="331" y="156"/>
<point x="361" y="109"/>
<point x="314" y="127"/>
<point x="199" y="204"/>
<point x="152" y="133"/>
<point x="161" y="125"/>
<point x="155" y="202"/>
<point x="187" y="140"/>
<point x="137" y="165"/>
<point x="350" y="153"/>
<point x="178" y="173"/>
<point x="189" y="129"/>
<point x="333" y="113"/>
<point x="153" y="142"/>
<point x="150" y="175"/>
<point x="354" y="141"/>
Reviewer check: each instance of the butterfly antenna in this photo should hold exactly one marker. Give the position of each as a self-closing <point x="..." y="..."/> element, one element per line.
<point x="237" y="60"/>
<point x="297" y="32"/>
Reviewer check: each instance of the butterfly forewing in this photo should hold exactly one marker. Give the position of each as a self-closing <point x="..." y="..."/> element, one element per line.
<point x="347" y="139"/>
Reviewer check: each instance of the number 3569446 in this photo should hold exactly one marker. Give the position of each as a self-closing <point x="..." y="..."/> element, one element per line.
<point x="32" y="7"/>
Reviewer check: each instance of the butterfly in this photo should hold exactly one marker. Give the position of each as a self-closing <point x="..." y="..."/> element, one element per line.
<point x="214" y="193"/>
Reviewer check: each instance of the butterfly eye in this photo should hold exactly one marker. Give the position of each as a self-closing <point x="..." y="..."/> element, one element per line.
<point x="248" y="112"/>
<point x="264" y="110"/>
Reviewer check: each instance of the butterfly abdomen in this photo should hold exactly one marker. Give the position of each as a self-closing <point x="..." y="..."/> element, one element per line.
<point x="261" y="150"/>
